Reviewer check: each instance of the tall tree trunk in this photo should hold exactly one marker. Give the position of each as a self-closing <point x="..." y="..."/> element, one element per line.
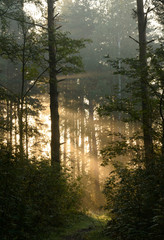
<point x="11" y="123"/>
<point x="8" y="124"/>
<point x="20" y="112"/>
<point x="26" y="128"/>
<point x="65" y="141"/>
<point x="72" y="142"/>
<point x="15" y="126"/>
<point x="55" y="134"/>
<point x="162" y="118"/>
<point x="77" y="158"/>
<point x="94" y="155"/>
<point x="146" y="108"/>
<point x="82" y="115"/>
<point x="21" y="101"/>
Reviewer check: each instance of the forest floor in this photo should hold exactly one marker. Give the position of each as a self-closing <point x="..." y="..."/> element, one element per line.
<point x="84" y="227"/>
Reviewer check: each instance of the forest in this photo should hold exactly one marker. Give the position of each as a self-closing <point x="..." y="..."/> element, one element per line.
<point x="81" y="120"/>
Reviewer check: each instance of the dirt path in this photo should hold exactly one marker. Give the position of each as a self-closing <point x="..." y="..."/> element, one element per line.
<point x="79" y="235"/>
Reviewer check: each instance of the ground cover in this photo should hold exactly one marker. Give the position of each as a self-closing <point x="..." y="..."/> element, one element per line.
<point x="88" y="226"/>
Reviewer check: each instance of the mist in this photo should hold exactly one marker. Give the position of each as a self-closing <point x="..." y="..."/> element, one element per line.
<point x="81" y="110"/>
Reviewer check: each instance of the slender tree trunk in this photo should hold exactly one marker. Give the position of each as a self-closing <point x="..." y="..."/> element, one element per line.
<point x="162" y="138"/>
<point x="26" y="129"/>
<point x="73" y="139"/>
<point x="77" y="143"/>
<point x="94" y="155"/>
<point x="8" y="124"/>
<point x="65" y="140"/>
<point x="55" y="134"/>
<point x="162" y="118"/>
<point x="146" y="109"/>
<point x="11" y="123"/>
<point x="15" y="127"/>
<point x="82" y="133"/>
<point x="21" y="147"/>
<point x="21" y="128"/>
<point x="66" y="117"/>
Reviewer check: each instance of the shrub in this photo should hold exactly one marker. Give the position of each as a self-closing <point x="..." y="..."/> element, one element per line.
<point x="34" y="198"/>
<point x="135" y="199"/>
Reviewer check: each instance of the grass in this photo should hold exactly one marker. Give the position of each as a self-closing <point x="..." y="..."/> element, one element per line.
<point x="96" y="235"/>
<point x="89" y="225"/>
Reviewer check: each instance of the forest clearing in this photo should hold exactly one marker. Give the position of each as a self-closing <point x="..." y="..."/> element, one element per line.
<point x="81" y="120"/>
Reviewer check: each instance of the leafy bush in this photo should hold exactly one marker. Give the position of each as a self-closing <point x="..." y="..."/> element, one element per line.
<point x="135" y="199"/>
<point x="34" y="198"/>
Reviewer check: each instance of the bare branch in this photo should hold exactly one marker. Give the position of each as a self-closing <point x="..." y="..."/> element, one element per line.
<point x="151" y="9"/>
<point x="58" y="27"/>
<point x="135" y="12"/>
<point x="30" y="88"/>
<point x="56" y="16"/>
<point x="151" y="41"/>
<point x="13" y="94"/>
<point x="59" y="70"/>
<point x="134" y="39"/>
<point x="29" y="23"/>
<point x="64" y="79"/>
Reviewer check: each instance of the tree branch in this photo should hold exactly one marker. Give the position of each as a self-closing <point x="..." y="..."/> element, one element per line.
<point x="151" y="41"/>
<point x="29" y="23"/>
<point x="134" y="39"/>
<point x="13" y="94"/>
<point x="57" y="28"/>
<point x="30" y="88"/>
<point x="56" y="16"/>
<point x="64" y="79"/>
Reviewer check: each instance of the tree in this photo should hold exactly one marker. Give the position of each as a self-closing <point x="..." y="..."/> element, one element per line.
<point x="23" y="48"/>
<point x="159" y="8"/>
<point x="134" y="189"/>
<point x="55" y="135"/>
<point x="146" y="108"/>
<point x="30" y="48"/>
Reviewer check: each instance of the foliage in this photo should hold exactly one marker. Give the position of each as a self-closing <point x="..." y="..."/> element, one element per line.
<point x="159" y="8"/>
<point x="134" y="192"/>
<point x="135" y="201"/>
<point x="83" y="226"/>
<point x="34" y="198"/>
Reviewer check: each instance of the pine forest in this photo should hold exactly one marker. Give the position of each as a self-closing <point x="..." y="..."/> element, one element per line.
<point x="81" y="120"/>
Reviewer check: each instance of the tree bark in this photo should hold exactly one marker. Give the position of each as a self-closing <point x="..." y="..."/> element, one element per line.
<point x="55" y="134"/>
<point x="26" y="128"/>
<point x="146" y="108"/>
<point x="82" y="128"/>
<point x="8" y="124"/>
<point x="21" y="127"/>
<point x="20" y="112"/>
<point x="94" y="156"/>
<point x="15" y="126"/>
<point x="11" y="124"/>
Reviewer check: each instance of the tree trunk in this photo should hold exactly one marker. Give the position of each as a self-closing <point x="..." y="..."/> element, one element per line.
<point x="11" y="124"/>
<point x="8" y="124"/>
<point x="20" y="112"/>
<point x="65" y="141"/>
<point x="26" y="128"/>
<point x="77" y="157"/>
<point x="94" y="155"/>
<point x="55" y="134"/>
<point x="15" y="126"/>
<point x="162" y="118"/>
<point x="82" y="116"/>
<point x="146" y="109"/>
